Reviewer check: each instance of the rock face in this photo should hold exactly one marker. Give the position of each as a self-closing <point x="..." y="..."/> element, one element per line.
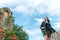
<point x="6" y="19"/>
<point x="55" y="36"/>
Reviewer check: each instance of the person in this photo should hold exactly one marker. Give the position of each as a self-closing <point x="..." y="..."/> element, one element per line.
<point x="46" y="29"/>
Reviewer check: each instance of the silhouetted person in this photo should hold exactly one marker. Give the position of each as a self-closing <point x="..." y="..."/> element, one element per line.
<point x="46" y="29"/>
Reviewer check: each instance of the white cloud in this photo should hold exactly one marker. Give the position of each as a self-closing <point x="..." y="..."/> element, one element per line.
<point x="4" y="1"/>
<point x="39" y="21"/>
<point x="38" y="38"/>
<point x="9" y="3"/>
<point x="33" y="3"/>
<point x="41" y="6"/>
<point x="54" y="4"/>
<point x="54" y="7"/>
<point x="41" y="10"/>
<point x="30" y="6"/>
<point x="57" y="25"/>
<point x="51" y="7"/>
<point x="1" y="5"/>
<point x="27" y="6"/>
<point x="23" y="9"/>
<point x="33" y="32"/>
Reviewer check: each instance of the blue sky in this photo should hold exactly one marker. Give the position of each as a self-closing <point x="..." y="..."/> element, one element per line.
<point x="30" y="14"/>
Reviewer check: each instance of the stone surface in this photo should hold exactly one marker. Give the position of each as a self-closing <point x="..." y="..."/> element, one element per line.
<point x="6" y="18"/>
<point x="6" y="21"/>
<point x="55" y="36"/>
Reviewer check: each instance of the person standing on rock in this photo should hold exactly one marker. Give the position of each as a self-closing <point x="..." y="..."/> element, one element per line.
<point x="46" y="29"/>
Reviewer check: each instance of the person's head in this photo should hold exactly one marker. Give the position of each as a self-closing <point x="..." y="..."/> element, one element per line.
<point x="45" y="18"/>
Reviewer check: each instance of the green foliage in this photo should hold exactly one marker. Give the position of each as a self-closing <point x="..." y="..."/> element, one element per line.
<point x="22" y="35"/>
<point x="18" y="31"/>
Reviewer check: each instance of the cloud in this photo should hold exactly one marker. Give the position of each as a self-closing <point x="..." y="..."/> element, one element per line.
<point x="51" y="7"/>
<point x="39" y="38"/>
<point x="8" y="3"/>
<point x="27" y="6"/>
<point x="30" y="3"/>
<point x="31" y="6"/>
<point x="57" y="25"/>
<point x="33" y="32"/>
<point x="54" y="7"/>
<point x="33" y="3"/>
<point x="54" y="4"/>
<point x="38" y="20"/>
<point x="24" y="10"/>
<point x="1" y="5"/>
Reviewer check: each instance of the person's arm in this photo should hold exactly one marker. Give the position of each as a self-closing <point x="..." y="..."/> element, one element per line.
<point x="42" y="26"/>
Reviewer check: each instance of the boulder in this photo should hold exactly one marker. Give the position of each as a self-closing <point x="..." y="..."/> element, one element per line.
<point x="55" y="36"/>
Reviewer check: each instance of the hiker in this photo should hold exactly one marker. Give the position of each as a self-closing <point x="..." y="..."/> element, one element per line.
<point x="46" y="29"/>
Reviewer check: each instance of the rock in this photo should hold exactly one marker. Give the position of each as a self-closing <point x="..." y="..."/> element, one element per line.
<point x="6" y="18"/>
<point x="6" y="21"/>
<point x="55" y="36"/>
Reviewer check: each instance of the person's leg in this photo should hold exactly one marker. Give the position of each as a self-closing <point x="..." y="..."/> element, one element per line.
<point x="45" y="37"/>
<point x="49" y="38"/>
<point x="48" y="35"/>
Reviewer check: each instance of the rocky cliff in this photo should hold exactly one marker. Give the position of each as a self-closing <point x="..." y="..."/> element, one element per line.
<point x="6" y="18"/>
<point x="6" y="21"/>
<point x="55" y="36"/>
